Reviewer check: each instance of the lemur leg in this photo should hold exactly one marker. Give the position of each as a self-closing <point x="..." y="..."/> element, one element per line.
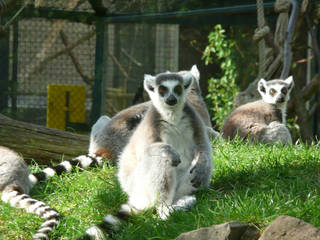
<point x="201" y="169"/>
<point x="276" y="132"/>
<point x="254" y="131"/>
<point x="213" y="134"/>
<point x="97" y="137"/>
<point x="198" y="175"/>
<point x="154" y="179"/>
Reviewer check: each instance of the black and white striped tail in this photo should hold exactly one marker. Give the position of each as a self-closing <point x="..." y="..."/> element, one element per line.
<point x="109" y="225"/>
<point x="20" y="200"/>
<point x="83" y="161"/>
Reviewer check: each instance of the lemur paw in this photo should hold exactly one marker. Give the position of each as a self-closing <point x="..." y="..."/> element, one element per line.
<point x="198" y="175"/>
<point x="185" y="203"/>
<point x="164" y="211"/>
<point x="171" y="155"/>
<point x="165" y="153"/>
<point x="175" y="160"/>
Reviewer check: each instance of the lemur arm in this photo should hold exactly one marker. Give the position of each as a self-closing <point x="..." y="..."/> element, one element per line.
<point x="201" y="170"/>
<point x="202" y="164"/>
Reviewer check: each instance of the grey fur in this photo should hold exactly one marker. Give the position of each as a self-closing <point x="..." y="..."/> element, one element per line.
<point x="13" y="171"/>
<point x="15" y="185"/>
<point x="165" y="76"/>
<point x="276" y="132"/>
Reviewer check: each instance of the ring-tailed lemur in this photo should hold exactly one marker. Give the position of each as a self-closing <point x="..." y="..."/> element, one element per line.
<point x="15" y="184"/>
<point x="263" y="120"/>
<point x="167" y="157"/>
<point x="109" y="136"/>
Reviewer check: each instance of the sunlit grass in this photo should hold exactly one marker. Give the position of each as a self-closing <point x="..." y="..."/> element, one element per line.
<point x="250" y="183"/>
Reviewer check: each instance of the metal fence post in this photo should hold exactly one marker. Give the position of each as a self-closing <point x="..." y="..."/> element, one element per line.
<point x="4" y="71"/>
<point x="14" y="81"/>
<point x="99" y="87"/>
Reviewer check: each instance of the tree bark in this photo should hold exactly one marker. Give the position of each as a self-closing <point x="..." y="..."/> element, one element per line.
<point x="299" y="73"/>
<point x="44" y="145"/>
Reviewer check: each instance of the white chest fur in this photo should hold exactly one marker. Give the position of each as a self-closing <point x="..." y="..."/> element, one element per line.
<point x="180" y="137"/>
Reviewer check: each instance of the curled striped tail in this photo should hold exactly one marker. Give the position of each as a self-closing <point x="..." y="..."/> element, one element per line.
<point x="83" y="162"/>
<point x="108" y="227"/>
<point x="51" y="217"/>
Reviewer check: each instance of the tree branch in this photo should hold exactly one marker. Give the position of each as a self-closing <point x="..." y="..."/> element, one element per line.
<point x="132" y="59"/>
<point x="312" y="88"/>
<point x="98" y="7"/>
<point x="312" y="110"/>
<point x="63" y="51"/>
<point x="287" y="56"/>
<point x="315" y="46"/>
<point x="115" y="60"/>
<point x="75" y="61"/>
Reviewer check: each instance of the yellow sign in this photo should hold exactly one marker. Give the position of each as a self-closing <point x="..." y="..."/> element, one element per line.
<point x="66" y="103"/>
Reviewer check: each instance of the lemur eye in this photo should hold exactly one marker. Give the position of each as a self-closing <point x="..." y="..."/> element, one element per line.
<point x="162" y="90"/>
<point x="178" y="90"/>
<point x="272" y="91"/>
<point x="284" y="91"/>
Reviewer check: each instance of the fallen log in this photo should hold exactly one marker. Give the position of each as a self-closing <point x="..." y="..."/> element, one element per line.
<point x="43" y="145"/>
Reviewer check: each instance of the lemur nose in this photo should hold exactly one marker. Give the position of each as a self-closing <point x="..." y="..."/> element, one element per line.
<point x="171" y="100"/>
<point x="280" y="99"/>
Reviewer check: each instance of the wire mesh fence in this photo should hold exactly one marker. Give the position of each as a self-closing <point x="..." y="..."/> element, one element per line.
<point x="59" y="44"/>
<point x="44" y="53"/>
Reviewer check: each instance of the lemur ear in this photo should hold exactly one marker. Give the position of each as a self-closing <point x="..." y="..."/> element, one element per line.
<point x="195" y="72"/>
<point x="149" y="82"/>
<point x="290" y="82"/>
<point x="262" y="86"/>
<point x="187" y="80"/>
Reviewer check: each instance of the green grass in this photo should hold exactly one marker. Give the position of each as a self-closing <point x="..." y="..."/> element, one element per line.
<point x="251" y="183"/>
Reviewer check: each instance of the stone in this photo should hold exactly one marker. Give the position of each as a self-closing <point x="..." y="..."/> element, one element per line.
<point x="290" y="228"/>
<point x="225" y="231"/>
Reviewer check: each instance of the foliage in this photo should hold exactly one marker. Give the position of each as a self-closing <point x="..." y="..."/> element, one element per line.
<point x="250" y="183"/>
<point x="294" y="128"/>
<point x="222" y="86"/>
<point x="245" y="54"/>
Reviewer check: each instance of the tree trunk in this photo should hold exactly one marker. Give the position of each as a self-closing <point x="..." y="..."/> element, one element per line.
<point x="44" y="145"/>
<point x="299" y="75"/>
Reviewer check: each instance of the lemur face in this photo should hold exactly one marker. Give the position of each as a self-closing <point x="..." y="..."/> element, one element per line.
<point x="168" y="90"/>
<point x="276" y="91"/>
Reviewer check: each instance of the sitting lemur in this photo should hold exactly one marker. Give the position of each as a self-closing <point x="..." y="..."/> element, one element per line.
<point x="263" y="120"/>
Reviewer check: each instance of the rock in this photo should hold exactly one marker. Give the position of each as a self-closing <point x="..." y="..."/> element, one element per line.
<point x="225" y="231"/>
<point x="290" y="228"/>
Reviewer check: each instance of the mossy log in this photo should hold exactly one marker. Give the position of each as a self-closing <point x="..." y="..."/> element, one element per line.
<point x="43" y="145"/>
